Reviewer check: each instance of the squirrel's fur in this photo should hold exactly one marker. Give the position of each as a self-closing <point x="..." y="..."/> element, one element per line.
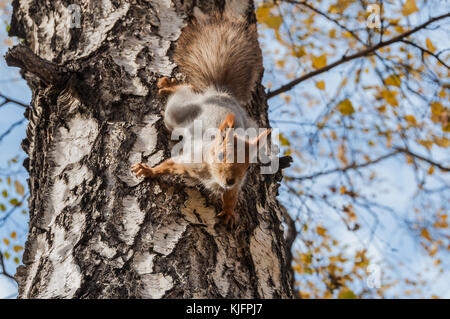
<point x="221" y="60"/>
<point x="221" y="51"/>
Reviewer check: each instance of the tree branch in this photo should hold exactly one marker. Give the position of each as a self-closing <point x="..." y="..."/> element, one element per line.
<point x="346" y="168"/>
<point x="11" y="128"/>
<point x="23" y="57"/>
<point x="420" y="157"/>
<point x="10" y="100"/>
<point x="2" y="265"/>
<point x="5" y="217"/>
<point x="362" y="53"/>
<point x="323" y="14"/>
<point x="426" y="51"/>
<point x="377" y="160"/>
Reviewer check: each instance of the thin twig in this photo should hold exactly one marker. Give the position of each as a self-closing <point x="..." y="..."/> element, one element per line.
<point x="323" y="14"/>
<point x="3" y="266"/>
<point x="10" y="100"/>
<point x="11" y="128"/>
<point x="362" y="53"/>
<point x="426" y="51"/>
<point x="346" y="168"/>
<point x="420" y="157"/>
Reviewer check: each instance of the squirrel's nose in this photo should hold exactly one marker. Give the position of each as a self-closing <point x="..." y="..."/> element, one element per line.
<point x="230" y="181"/>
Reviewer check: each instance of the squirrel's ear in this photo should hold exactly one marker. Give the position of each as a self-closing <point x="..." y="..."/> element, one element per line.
<point x="228" y="122"/>
<point x="261" y="139"/>
<point x="254" y="145"/>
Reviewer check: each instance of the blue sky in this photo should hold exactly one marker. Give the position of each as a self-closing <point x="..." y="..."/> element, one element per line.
<point x="396" y="192"/>
<point x="12" y="85"/>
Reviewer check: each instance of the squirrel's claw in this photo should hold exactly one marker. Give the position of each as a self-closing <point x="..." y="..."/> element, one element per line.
<point x="229" y="218"/>
<point x="166" y="85"/>
<point x="163" y="82"/>
<point x="142" y="169"/>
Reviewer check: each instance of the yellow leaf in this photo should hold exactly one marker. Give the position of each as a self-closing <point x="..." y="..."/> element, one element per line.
<point x="341" y="154"/>
<point x="442" y="142"/>
<point x="333" y="135"/>
<point x="430" y="45"/>
<point x="319" y="62"/>
<point x="320" y="85"/>
<point x="287" y="98"/>
<point x="425" y="143"/>
<point x="393" y="80"/>
<point x="339" y="6"/>
<point x="346" y="107"/>
<point x="13" y="235"/>
<point x="347" y="294"/>
<point x="399" y="29"/>
<point x="273" y="22"/>
<point x="409" y="7"/>
<point x="431" y="170"/>
<point x="382" y="109"/>
<point x="16" y="260"/>
<point x="283" y="140"/>
<point x="19" y="188"/>
<point x="262" y="13"/>
<point x="321" y="231"/>
<point x="436" y="108"/>
<point x="280" y="63"/>
<point x="411" y="120"/>
<point x="425" y="234"/>
<point x="6" y="241"/>
<point x="17" y="248"/>
<point x="8" y="42"/>
<point x="298" y="51"/>
<point x="390" y="97"/>
<point x="7" y="255"/>
<point x="358" y="76"/>
<point x="446" y="127"/>
<point x="332" y="33"/>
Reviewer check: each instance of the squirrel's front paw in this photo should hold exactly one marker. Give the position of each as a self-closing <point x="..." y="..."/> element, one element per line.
<point x="166" y="85"/>
<point x="229" y="217"/>
<point x="142" y="169"/>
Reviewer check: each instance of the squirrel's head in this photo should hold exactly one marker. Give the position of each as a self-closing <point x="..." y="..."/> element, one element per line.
<point x="231" y="154"/>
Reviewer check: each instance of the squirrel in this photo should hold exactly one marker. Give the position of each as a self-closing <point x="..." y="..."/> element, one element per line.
<point x="220" y="58"/>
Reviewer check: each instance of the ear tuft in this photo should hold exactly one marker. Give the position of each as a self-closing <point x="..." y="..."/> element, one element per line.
<point x="228" y="122"/>
<point x="262" y="138"/>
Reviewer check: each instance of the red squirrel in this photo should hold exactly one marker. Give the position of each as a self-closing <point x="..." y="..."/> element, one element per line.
<point x="221" y="60"/>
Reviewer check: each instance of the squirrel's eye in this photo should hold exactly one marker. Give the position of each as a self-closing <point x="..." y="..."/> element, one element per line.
<point x="220" y="156"/>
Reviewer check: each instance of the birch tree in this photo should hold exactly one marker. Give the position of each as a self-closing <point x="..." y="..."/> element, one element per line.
<point x="95" y="230"/>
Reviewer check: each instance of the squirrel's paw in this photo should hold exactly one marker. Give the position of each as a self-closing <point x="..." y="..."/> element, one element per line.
<point x="229" y="218"/>
<point x="142" y="169"/>
<point x="167" y="86"/>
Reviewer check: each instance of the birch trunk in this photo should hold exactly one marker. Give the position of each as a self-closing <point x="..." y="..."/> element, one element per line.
<point x="95" y="230"/>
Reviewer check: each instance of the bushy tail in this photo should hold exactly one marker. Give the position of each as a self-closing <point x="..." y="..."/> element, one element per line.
<point x="220" y="51"/>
